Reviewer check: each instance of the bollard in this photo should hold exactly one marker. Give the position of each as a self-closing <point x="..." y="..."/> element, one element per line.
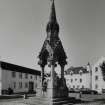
<point x="25" y="96"/>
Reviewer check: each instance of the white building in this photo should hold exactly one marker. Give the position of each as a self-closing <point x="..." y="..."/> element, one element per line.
<point x="78" y="77"/>
<point x="87" y="77"/>
<point x="18" y="78"/>
<point x="98" y="83"/>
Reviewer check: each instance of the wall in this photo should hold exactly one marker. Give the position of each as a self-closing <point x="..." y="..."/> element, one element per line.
<point x="8" y="81"/>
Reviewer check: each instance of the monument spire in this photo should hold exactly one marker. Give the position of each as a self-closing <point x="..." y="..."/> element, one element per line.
<point x="53" y="13"/>
<point x="52" y="23"/>
<point x="52" y="44"/>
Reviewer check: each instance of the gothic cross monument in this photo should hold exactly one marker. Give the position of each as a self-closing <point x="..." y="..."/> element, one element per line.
<point x="53" y="54"/>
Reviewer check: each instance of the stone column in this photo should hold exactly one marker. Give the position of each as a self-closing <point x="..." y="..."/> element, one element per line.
<point x="62" y="71"/>
<point x="63" y="88"/>
<point x="52" y="79"/>
<point x="42" y="75"/>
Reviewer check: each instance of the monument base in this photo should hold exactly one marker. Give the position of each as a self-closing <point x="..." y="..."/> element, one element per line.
<point x="57" y="89"/>
<point x="56" y="94"/>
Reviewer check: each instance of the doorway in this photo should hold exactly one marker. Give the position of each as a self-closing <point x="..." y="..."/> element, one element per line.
<point x="31" y="86"/>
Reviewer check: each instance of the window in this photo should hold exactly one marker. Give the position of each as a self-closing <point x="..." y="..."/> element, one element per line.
<point x="76" y="79"/>
<point x="96" y="77"/>
<point x="14" y="85"/>
<point x="31" y="76"/>
<point x="80" y="72"/>
<point x="36" y="85"/>
<point x="13" y="74"/>
<point x="20" y="85"/>
<point x="82" y="86"/>
<point x="73" y="86"/>
<point x="71" y="80"/>
<point x="20" y="75"/>
<point x="40" y="78"/>
<point x="77" y="86"/>
<point x="96" y="86"/>
<point x="80" y="80"/>
<point x="96" y="69"/>
<point x="36" y="77"/>
<point x="26" y="75"/>
<point x="26" y="85"/>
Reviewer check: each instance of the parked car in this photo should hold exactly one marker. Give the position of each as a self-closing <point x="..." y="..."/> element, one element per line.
<point x="8" y="91"/>
<point x="88" y="91"/>
<point x="4" y="91"/>
<point x="77" y="90"/>
<point x="71" y="90"/>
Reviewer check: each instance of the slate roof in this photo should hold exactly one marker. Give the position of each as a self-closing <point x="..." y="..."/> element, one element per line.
<point x="13" y="67"/>
<point x="76" y="70"/>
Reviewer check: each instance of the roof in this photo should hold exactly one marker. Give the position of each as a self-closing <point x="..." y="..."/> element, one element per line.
<point x="13" y="67"/>
<point x="99" y="62"/>
<point x="76" y="70"/>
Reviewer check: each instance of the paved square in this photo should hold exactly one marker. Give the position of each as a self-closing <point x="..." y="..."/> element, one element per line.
<point x="88" y="100"/>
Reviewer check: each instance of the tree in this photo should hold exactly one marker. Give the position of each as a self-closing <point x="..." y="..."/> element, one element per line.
<point x="102" y="66"/>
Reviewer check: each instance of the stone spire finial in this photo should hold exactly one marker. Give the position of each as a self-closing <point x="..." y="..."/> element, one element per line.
<point x="52" y="24"/>
<point x="53" y="13"/>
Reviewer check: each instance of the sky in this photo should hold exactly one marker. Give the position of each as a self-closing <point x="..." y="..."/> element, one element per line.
<point x="23" y="30"/>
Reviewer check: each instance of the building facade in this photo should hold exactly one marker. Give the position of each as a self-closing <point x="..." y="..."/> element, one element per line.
<point x="98" y="83"/>
<point x="90" y="77"/>
<point x="18" y="78"/>
<point x="78" y="77"/>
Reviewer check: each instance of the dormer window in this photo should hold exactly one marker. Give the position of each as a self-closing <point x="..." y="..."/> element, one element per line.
<point x="71" y="73"/>
<point x="80" y="72"/>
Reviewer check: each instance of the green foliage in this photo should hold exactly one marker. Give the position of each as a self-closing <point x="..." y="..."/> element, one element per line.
<point x="103" y="70"/>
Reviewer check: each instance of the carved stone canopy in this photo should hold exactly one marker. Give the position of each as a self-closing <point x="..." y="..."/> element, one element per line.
<point x="52" y="50"/>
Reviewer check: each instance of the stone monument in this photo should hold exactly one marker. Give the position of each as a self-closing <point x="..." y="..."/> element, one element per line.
<point x="53" y="54"/>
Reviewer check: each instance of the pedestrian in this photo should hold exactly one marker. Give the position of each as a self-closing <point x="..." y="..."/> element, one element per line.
<point x="80" y="94"/>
